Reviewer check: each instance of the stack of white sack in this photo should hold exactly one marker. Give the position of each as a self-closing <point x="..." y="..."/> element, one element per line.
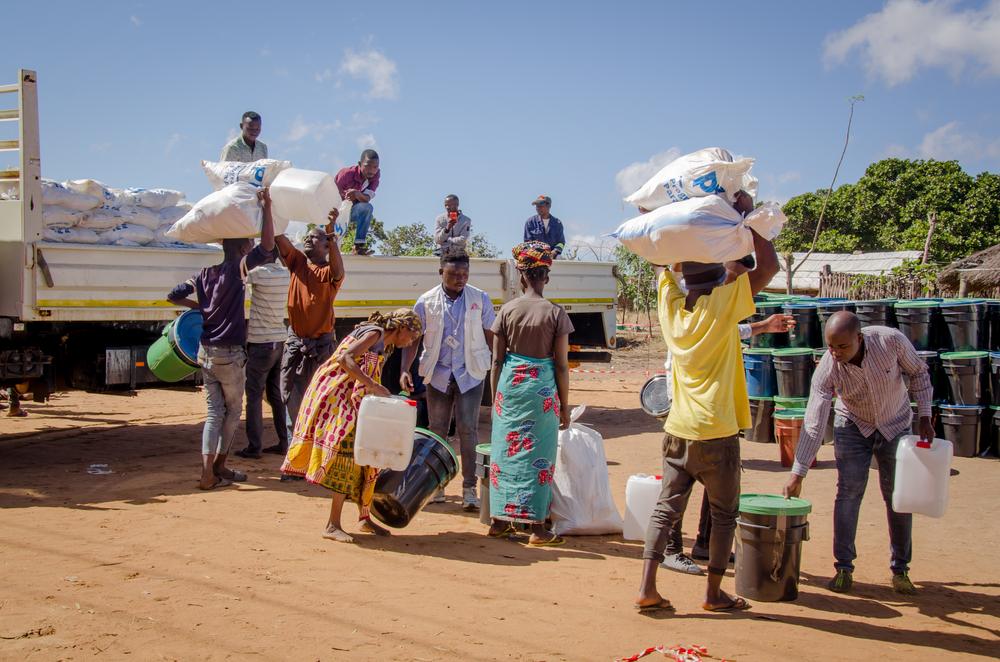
<point x="230" y="213"/>
<point x="690" y="215"/>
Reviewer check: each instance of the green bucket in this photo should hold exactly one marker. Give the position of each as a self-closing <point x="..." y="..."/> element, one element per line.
<point x="174" y="356"/>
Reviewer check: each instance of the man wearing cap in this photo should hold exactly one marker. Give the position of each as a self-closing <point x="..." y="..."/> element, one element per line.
<point x="710" y="407"/>
<point x="245" y="147"/>
<point x="545" y="227"/>
<point x="866" y="368"/>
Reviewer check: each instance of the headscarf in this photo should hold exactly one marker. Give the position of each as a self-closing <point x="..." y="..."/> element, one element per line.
<point x="401" y="318"/>
<point x="532" y="254"/>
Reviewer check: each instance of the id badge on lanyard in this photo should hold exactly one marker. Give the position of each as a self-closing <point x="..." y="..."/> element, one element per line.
<point x="452" y="342"/>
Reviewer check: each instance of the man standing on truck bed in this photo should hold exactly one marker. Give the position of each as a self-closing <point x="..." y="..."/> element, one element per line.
<point x="545" y="227"/>
<point x="357" y="183"/>
<point x="222" y="353"/>
<point x="245" y="147"/>
<point x="316" y="276"/>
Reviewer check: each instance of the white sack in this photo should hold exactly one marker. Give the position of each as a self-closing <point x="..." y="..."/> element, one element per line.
<point x="706" y="172"/>
<point x="258" y="173"/>
<point x="106" y="194"/>
<point x="581" y="493"/>
<point x="170" y="215"/>
<point x="103" y="218"/>
<point x="155" y="198"/>
<point x="126" y="232"/>
<point x="694" y="230"/>
<point x="231" y="213"/>
<point x="71" y="235"/>
<point x="767" y="220"/>
<point x="57" y="195"/>
<point x="61" y="217"/>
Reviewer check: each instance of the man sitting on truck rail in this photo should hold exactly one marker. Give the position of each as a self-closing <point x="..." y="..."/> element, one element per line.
<point x="245" y="147"/>
<point x="316" y="276"/>
<point x="357" y="183"/>
<point x="222" y="352"/>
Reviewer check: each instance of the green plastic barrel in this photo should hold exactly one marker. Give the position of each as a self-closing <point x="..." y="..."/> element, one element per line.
<point x="174" y="355"/>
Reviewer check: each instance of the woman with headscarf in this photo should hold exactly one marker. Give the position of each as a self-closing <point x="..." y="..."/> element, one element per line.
<point x="322" y="448"/>
<point x="530" y="381"/>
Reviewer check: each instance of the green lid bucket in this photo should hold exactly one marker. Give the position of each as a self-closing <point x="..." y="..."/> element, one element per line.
<point x="794" y="351"/>
<point x="790" y="414"/>
<point x="918" y="304"/>
<point x="790" y="403"/>
<point x="758" y="350"/>
<point x="483" y="449"/>
<point x="970" y="354"/>
<point x="774" y="504"/>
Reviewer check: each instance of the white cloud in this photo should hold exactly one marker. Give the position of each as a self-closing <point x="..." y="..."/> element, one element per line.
<point x="948" y="142"/>
<point x="172" y="142"/>
<point x="323" y="76"/>
<point x="376" y="68"/>
<point x="635" y="174"/>
<point x="135" y="20"/>
<point x="300" y="129"/>
<point x="908" y="35"/>
<point x="366" y="141"/>
<point x="265" y="52"/>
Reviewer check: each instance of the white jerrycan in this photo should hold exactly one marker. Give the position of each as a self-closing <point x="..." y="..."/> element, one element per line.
<point x="922" y="471"/>
<point x="641" y="493"/>
<point x="384" y="438"/>
<point x="306" y="196"/>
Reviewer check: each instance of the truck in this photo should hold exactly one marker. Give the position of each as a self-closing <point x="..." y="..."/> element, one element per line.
<point x="83" y="315"/>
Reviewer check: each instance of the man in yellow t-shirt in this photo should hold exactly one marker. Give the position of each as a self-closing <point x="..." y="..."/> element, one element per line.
<point x="709" y="409"/>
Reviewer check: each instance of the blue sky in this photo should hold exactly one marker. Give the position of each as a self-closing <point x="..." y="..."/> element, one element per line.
<point x="500" y="103"/>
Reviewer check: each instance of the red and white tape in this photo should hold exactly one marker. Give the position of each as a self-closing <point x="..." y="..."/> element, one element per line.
<point x="589" y="371"/>
<point x="692" y="653"/>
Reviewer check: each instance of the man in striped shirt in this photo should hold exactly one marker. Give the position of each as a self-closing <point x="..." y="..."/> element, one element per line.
<point x="865" y="367"/>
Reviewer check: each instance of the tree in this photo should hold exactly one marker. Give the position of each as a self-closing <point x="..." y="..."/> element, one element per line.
<point x="413" y="239"/>
<point x="376" y="233"/>
<point x="636" y="280"/>
<point x="480" y="246"/>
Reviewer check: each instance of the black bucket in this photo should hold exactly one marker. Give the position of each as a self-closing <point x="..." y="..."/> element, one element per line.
<point x="827" y="307"/>
<point x="967" y="374"/>
<point x="761" y="429"/>
<point x="772" y="340"/>
<point x="961" y="427"/>
<point x="806" y="332"/>
<point x="993" y="324"/>
<point x="918" y="321"/>
<point x="990" y="446"/>
<point x="995" y="378"/>
<point x="769" y="535"/>
<point x="876" y="313"/>
<point x="400" y="495"/>
<point x="963" y="324"/>
<point x="793" y="368"/>
<point x="483" y="474"/>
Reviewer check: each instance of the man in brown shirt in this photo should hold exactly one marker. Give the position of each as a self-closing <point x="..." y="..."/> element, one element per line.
<point x="316" y="276"/>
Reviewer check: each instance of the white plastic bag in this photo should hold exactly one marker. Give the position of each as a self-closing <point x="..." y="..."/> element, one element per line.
<point x="57" y="195"/>
<point x="61" y="217"/>
<point x="230" y="213"/>
<point x="711" y="171"/>
<point x="258" y="173"/>
<point x="767" y="220"/>
<point x="126" y="232"/>
<point x="71" y="235"/>
<point x="155" y="198"/>
<point x="581" y="493"/>
<point x="694" y="230"/>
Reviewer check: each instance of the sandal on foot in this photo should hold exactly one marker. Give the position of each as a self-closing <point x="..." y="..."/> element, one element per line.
<point x="662" y="605"/>
<point x="234" y="476"/>
<point x="553" y="541"/>
<point x="737" y="604"/>
<point x="220" y="482"/>
<point x="503" y="533"/>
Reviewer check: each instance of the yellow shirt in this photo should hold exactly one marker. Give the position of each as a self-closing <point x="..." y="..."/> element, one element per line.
<point x="710" y="389"/>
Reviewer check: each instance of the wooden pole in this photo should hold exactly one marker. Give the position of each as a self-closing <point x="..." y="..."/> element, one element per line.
<point x="931" y="222"/>
<point x="963" y="286"/>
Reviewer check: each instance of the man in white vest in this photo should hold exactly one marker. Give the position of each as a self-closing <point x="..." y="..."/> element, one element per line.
<point x="456" y="357"/>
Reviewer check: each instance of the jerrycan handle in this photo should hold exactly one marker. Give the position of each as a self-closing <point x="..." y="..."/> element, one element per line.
<point x="923" y="444"/>
<point x="405" y="395"/>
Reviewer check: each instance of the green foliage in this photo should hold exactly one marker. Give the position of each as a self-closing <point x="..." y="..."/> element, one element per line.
<point x="636" y="280"/>
<point x="887" y="210"/>
<point x="413" y="239"/>
<point x="480" y="246"/>
<point x="376" y="234"/>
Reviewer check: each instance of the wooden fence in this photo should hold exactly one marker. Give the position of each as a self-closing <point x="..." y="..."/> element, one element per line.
<point x="854" y="286"/>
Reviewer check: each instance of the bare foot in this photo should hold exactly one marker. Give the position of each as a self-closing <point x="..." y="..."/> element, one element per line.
<point x="369" y="526"/>
<point x="16" y="413"/>
<point x="337" y="534"/>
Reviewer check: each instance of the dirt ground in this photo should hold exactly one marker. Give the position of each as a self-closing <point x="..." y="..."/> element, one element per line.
<point x="139" y="564"/>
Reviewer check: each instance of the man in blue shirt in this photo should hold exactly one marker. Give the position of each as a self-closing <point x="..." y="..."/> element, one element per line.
<point x="545" y="227"/>
<point x="456" y="357"/>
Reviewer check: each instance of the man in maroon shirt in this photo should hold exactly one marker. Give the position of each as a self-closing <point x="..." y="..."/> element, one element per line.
<point x="357" y="183"/>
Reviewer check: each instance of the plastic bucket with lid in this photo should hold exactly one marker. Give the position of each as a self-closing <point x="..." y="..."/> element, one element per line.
<point x="918" y="320"/>
<point x="770" y="530"/>
<point x="806" y="332"/>
<point x="990" y="446"/>
<point x="995" y="378"/>
<point x="765" y="310"/>
<point x="761" y="429"/>
<point x="961" y="427"/>
<point x="876" y="313"/>
<point x="174" y="355"/>
<point x="399" y="495"/>
<point x="967" y="374"/>
<point x="962" y="318"/>
<point x="827" y="307"/>
<point x="654" y="397"/>
<point x="759" y="365"/>
<point x="993" y="323"/>
<point x="793" y="368"/>
<point x="789" y="403"/>
<point x="483" y="474"/>
<point x="787" y="428"/>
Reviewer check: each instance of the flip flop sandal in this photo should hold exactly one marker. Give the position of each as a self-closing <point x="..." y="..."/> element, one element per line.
<point x="236" y="477"/>
<point x="738" y="604"/>
<point x="507" y="531"/>
<point x="554" y="541"/>
<point x="662" y="605"/>
<point x="221" y="482"/>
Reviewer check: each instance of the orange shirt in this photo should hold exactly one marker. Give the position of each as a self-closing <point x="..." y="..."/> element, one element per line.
<point x="311" y="292"/>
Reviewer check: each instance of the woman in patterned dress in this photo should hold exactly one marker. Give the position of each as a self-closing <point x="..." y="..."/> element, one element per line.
<point x="322" y="448"/>
<point x="530" y="381"/>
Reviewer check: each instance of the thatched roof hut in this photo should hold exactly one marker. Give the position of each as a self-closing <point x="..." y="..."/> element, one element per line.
<point x="980" y="271"/>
